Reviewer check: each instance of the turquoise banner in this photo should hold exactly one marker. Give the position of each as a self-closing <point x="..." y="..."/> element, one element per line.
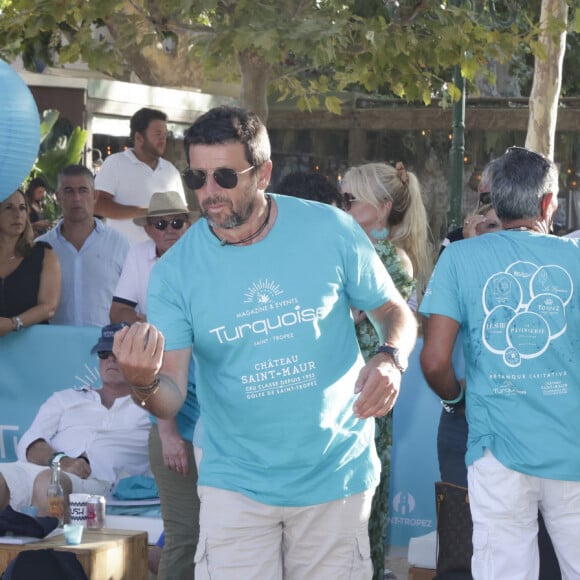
<point x="414" y="467"/>
<point x="42" y="359"/>
<point x="33" y="364"/>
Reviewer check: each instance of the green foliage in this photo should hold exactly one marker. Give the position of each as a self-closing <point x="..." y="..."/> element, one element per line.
<point x="309" y="48"/>
<point x="56" y="153"/>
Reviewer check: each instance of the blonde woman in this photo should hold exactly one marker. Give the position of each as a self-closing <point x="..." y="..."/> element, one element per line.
<point x="386" y="201"/>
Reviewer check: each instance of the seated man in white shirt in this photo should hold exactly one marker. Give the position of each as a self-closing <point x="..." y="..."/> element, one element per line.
<point x="97" y="434"/>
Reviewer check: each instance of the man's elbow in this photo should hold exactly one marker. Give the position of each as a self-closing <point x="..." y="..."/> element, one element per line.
<point x="431" y="364"/>
<point x="103" y="204"/>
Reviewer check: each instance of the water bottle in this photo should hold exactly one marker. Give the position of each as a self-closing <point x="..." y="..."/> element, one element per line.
<point x="55" y="494"/>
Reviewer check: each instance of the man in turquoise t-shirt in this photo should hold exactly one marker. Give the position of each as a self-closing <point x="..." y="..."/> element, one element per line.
<point x="260" y="291"/>
<point x="512" y="294"/>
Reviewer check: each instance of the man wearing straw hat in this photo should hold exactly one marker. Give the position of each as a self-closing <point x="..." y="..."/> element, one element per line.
<point x="166" y="221"/>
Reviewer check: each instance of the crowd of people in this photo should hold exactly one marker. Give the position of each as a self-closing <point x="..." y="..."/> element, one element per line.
<point x="255" y="378"/>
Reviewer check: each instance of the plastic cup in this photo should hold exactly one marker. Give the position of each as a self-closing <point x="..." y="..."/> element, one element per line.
<point x="29" y="510"/>
<point x="77" y="508"/>
<point x="73" y="534"/>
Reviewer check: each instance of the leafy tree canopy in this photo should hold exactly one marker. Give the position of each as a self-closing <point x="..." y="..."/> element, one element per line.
<point x="301" y="49"/>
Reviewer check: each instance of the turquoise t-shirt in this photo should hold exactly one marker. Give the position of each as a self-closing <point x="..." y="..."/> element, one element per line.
<point x="276" y="352"/>
<point x="513" y="293"/>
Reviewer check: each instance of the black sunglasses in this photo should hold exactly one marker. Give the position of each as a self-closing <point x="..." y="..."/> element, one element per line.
<point x="104" y="354"/>
<point x="162" y="224"/>
<point x="223" y="176"/>
<point x="347" y="200"/>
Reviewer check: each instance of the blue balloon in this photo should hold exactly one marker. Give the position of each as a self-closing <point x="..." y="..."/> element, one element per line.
<point x="19" y="130"/>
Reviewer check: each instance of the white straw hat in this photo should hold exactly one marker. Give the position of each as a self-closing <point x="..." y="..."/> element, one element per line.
<point x="164" y="203"/>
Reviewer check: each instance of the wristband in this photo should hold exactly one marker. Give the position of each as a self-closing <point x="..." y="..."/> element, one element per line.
<point x="449" y="406"/>
<point x="457" y="399"/>
<point x="17" y="324"/>
<point x="56" y="457"/>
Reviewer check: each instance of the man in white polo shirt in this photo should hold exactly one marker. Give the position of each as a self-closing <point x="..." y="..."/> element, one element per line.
<point x="127" y="180"/>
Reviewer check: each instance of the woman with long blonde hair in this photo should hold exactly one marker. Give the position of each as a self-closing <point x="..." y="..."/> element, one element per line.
<point x="400" y="216"/>
<point x="386" y="201"/>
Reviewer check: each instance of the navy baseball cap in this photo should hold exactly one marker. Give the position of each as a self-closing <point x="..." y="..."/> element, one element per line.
<point x="105" y="342"/>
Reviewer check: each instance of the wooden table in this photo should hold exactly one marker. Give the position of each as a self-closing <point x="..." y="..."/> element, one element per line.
<point x="421" y="573"/>
<point x="104" y="554"/>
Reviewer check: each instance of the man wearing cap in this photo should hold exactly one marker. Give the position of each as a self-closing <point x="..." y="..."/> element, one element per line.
<point x="97" y="434"/>
<point x="91" y="254"/>
<point x="170" y="440"/>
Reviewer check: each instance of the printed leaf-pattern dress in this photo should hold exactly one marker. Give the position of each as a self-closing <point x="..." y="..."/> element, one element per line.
<point x="368" y="342"/>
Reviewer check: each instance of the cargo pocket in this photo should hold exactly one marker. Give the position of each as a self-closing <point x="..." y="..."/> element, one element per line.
<point x="362" y="567"/>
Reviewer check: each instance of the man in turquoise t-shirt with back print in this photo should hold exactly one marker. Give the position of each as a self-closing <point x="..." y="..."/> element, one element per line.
<point x="512" y="294"/>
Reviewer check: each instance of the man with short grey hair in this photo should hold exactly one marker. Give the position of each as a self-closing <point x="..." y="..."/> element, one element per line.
<point x="513" y="296"/>
<point x="91" y="254"/>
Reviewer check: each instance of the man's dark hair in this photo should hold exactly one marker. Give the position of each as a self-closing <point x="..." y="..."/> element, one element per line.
<point x="520" y="179"/>
<point x="310" y="185"/>
<point x="76" y="170"/>
<point x="141" y="119"/>
<point x="231" y="125"/>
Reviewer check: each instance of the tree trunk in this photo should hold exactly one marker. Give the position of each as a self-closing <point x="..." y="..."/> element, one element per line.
<point x="545" y="94"/>
<point x="255" y="74"/>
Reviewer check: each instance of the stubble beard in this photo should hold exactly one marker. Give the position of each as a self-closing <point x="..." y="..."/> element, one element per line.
<point x="234" y="219"/>
<point x="150" y="149"/>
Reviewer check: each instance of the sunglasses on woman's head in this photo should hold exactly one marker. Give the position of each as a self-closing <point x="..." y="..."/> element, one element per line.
<point x="223" y="176"/>
<point x="484" y="198"/>
<point x="162" y="224"/>
<point x="347" y="200"/>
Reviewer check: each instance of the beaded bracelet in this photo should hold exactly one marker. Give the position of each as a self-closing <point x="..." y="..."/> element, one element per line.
<point x="147" y="388"/>
<point x="148" y="391"/>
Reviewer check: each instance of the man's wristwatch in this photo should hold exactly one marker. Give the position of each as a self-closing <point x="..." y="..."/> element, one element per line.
<point x="398" y="359"/>
<point x="17" y="324"/>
